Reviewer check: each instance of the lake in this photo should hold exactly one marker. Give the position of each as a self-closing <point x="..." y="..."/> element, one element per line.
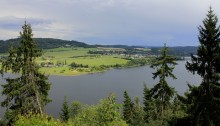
<point x="90" y="88"/>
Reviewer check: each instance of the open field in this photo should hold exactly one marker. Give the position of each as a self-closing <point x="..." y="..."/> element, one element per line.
<point x="59" y="61"/>
<point x="66" y="56"/>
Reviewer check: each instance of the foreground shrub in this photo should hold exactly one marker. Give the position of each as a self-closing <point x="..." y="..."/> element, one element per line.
<point x="37" y="120"/>
<point x="106" y="113"/>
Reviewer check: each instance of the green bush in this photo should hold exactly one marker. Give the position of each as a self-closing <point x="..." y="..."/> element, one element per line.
<point x="106" y="113"/>
<point x="74" y="65"/>
<point x="37" y="120"/>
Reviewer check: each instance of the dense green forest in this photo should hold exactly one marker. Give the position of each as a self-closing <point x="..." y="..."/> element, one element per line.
<point x="26" y="96"/>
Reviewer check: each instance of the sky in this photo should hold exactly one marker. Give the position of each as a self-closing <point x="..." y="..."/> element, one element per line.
<point x="124" y="22"/>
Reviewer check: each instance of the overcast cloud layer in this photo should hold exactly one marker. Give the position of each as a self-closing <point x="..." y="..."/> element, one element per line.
<point x="131" y="22"/>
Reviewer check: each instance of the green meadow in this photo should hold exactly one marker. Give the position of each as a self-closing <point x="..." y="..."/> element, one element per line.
<point x="66" y="56"/>
<point x="58" y="61"/>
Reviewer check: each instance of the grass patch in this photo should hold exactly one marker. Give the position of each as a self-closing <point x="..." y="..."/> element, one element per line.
<point x="78" y="55"/>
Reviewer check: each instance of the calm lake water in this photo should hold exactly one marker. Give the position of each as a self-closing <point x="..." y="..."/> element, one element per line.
<point x="90" y="88"/>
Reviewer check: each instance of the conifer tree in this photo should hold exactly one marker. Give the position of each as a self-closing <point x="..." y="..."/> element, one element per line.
<point x="128" y="108"/>
<point x="65" y="111"/>
<point x="138" y="114"/>
<point x="162" y="92"/>
<point x="204" y="100"/>
<point x="28" y="92"/>
<point x="147" y="102"/>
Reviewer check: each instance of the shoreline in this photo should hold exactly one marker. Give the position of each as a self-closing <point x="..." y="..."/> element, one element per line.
<point x="87" y="73"/>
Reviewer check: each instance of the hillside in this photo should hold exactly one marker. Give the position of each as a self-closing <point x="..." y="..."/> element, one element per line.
<point x="51" y="43"/>
<point x="43" y="43"/>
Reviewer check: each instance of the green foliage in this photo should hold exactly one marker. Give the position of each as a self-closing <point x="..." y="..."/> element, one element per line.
<point x="133" y="113"/>
<point x="137" y="62"/>
<point x="177" y="113"/>
<point x="74" y="65"/>
<point x="128" y="108"/>
<point x="37" y="120"/>
<point x="147" y="102"/>
<point x="65" y="111"/>
<point x="29" y="91"/>
<point x="86" y="117"/>
<point x="9" y="118"/>
<point x="75" y="108"/>
<point x="162" y="92"/>
<point x="203" y="102"/>
<point x="138" y="114"/>
<point x="106" y="113"/>
<point x="173" y="115"/>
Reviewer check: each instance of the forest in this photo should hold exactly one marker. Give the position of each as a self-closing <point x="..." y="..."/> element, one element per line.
<point x="25" y="96"/>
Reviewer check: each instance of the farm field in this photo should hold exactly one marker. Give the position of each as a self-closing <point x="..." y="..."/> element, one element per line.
<point x="63" y="57"/>
<point x="72" y="61"/>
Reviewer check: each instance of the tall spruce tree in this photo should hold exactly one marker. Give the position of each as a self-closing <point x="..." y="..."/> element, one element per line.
<point x="204" y="100"/>
<point x="128" y="108"/>
<point x="162" y="92"/>
<point x="65" y="111"/>
<point x="28" y="92"/>
<point x="138" y="114"/>
<point x="147" y="103"/>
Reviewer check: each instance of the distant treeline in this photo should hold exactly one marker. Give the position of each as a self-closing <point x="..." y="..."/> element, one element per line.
<point x="49" y="43"/>
<point x="119" y="46"/>
<point x="177" y="51"/>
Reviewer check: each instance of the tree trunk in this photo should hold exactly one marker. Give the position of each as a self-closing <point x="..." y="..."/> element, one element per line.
<point x="38" y="103"/>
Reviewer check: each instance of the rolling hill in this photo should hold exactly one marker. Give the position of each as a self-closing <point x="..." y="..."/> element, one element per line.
<point x="43" y="43"/>
<point x="50" y="43"/>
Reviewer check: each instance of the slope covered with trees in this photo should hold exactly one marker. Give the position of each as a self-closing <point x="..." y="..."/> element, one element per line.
<point x="42" y="43"/>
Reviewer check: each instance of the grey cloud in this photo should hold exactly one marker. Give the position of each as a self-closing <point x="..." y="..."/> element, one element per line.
<point x="11" y="23"/>
<point x="110" y="21"/>
<point x="17" y="22"/>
